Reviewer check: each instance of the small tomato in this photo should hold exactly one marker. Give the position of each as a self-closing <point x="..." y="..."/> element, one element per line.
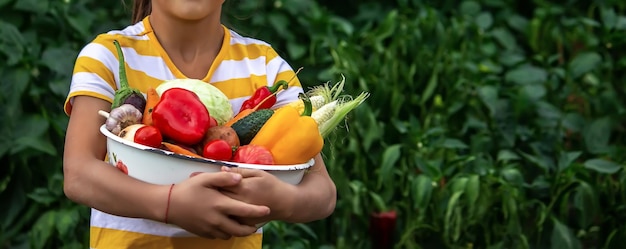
<point x="253" y="154"/>
<point x="218" y="149"/>
<point x="149" y="136"/>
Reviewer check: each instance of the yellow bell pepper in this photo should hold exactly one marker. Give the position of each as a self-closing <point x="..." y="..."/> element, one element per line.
<point x="291" y="137"/>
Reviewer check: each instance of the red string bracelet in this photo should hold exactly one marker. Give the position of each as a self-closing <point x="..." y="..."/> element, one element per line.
<point x="167" y="208"/>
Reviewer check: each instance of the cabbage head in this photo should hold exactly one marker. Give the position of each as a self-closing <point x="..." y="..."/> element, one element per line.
<point x="213" y="98"/>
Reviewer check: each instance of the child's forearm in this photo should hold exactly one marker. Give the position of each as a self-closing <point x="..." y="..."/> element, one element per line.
<point x="316" y="195"/>
<point x="91" y="181"/>
<point x="91" y="184"/>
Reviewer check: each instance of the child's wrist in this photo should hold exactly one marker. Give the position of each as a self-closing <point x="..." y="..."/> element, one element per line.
<point x="157" y="203"/>
<point x="289" y="204"/>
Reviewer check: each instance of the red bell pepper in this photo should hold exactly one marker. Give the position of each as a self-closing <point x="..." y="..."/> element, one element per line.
<point x="382" y="229"/>
<point x="181" y="116"/>
<point x="264" y="96"/>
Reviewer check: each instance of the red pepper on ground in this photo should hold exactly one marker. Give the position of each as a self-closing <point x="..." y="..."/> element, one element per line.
<point x="264" y="94"/>
<point x="181" y="116"/>
<point x="382" y="229"/>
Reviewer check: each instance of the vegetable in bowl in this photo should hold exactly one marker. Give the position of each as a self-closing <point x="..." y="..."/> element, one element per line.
<point x="213" y="98"/>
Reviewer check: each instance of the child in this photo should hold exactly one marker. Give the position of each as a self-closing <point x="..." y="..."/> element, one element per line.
<point x="180" y="39"/>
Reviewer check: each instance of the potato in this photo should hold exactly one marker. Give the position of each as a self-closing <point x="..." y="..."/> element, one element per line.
<point x="221" y="132"/>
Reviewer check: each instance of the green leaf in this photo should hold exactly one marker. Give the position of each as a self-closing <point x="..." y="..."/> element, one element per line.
<point x="597" y="135"/>
<point x="534" y="92"/>
<point x="296" y="51"/>
<point x="429" y="169"/>
<point x="279" y="21"/>
<point x="609" y="17"/>
<point x="451" y="143"/>
<point x="11" y="94"/>
<point x="307" y="230"/>
<point x="379" y="203"/>
<point x="43" y="196"/>
<point x="431" y="85"/>
<point x="505" y="38"/>
<point x="472" y="191"/>
<point x="31" y="134"/>
<point x="548" y="111"/>
<point x="587" y="202"/>
<point x="43" y="229"/>
<point x="36" y="6"/>
<point x="489" y="97"/>
<point x="566" y="159"/>
<point x="470" y="8"/>
<point x="510" y="206"/>
<point x="458" y="184"/>
<point x="484" y="20"/>
<point x="511" y="58"/>
<point x="540" y="161"/>
<point x="11" y="43"/>
<point x="66" y="221"/>
<point x="388" y="163"/>
<point x="507" y="155"/>
<point x="512" y="176"/>
<point x="563" y="237"/>
<point x="519" y="23"/>
<point x="59" y="59"/>
<point x="527" y="75"/>
<point x="80" y="23"/>
<point x="602" y="166"/>
<point x="422" y="192"/>
<point x="357" y="189"/>
<point x="453" y="209"/>
<point x="4" y="2"/>
<point x="584" y="63"/>
<point x="342" y="24"/>
<point x="15" y="197"/>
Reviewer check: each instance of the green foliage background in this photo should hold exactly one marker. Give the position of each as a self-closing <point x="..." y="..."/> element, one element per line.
<point x="492" y="124"/>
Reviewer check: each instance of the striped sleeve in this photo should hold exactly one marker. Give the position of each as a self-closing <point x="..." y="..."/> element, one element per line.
<point x="278" y="69"/>
<point x="93" y="74"/>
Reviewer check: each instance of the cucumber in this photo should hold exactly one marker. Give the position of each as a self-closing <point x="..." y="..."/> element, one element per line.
<point x="247" y="127"/>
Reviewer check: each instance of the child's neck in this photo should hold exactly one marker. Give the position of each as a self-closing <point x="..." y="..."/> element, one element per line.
<point x="192" y="46"/>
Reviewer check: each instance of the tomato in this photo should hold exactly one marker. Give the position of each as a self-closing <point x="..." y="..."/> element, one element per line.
<point x="254" y="154"/>
<point x="149" y="136"/>
<point x="218" y="149"/>
<point x="212" y="122"/>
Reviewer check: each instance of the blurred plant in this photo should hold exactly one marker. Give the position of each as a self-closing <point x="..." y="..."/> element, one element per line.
<point x="491" y="124"/>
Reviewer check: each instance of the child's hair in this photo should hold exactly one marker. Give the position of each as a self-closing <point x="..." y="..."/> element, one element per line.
<point x="141" y="9"/>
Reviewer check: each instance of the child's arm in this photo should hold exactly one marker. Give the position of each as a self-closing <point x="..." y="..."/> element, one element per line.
<point x="195" y="204"/>
<point x="313" y="199"/>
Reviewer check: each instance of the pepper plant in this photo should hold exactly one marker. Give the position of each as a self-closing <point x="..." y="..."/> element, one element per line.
<point x="491" y="124"/>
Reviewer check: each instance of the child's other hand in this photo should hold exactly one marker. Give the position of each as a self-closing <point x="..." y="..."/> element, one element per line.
<point x="198" y="207"/>
<point x="262" y="188"/>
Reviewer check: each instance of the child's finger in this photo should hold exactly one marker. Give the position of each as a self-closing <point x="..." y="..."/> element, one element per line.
<point x="219" y="179"/>
<point x="245" y="210"/>
<point x="234" y="228"/>
<point x="243" y="172"/>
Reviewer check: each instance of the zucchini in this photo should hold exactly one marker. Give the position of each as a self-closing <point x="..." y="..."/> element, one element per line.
<point x="248" y="126"/>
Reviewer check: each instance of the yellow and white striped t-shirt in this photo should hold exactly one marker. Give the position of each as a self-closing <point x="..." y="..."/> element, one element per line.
<point x="242" y="65"/>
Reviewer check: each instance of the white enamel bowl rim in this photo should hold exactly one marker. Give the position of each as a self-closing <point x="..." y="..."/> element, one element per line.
<point x="118" y="139"/>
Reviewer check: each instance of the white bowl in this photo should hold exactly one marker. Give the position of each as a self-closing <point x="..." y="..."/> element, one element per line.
<point x="164" y="167"/>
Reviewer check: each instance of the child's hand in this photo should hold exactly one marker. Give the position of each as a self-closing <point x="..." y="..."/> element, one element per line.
<point x="199" y="208"/>
<point x="262" y="188"/>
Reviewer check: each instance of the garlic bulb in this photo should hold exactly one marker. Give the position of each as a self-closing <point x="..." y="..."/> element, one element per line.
<point x="121" y="117"/>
